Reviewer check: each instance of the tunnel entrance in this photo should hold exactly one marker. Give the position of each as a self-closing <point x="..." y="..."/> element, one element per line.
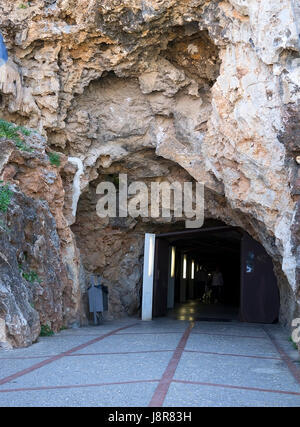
<point x="138" y="275"/>
<point x="217" y="273"/>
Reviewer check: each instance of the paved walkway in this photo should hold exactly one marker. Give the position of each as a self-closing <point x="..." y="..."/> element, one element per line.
<point x="160" y="363"/>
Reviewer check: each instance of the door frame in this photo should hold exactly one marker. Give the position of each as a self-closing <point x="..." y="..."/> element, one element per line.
<point x="149" y="265"/>
<point x="148" y="276"/>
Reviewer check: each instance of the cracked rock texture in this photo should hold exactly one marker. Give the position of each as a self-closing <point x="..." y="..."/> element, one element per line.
<point x="212" y="87"/>
<point x="30" y="244"/>
<point x="35" y="287"/>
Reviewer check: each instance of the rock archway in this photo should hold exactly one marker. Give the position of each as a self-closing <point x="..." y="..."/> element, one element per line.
<point x="114" y="247"/>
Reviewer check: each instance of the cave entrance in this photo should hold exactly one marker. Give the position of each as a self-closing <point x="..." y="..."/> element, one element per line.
<point x="182" y="268"/>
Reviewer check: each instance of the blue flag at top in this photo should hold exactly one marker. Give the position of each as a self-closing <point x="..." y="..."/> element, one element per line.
<point x="3" y="52"/>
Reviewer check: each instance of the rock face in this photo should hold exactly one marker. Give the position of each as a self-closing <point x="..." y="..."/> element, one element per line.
<point x="31" y="288"/>
<point x="204" y="88"/>
<point x="34" y="281"/>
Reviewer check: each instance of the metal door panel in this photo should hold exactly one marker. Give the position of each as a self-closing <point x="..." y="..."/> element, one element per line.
<point x="259" y="290"/>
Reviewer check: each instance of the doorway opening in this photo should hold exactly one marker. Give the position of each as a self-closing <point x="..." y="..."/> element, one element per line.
<point x="216" y="273"/>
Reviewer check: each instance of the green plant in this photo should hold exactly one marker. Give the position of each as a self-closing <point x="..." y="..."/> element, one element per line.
<point x="54" y="159"/>
<point x="5" y="197"/>
<point x="22" y="6"/>
<point x="25" y="132"/>
<point x="293" y="342"/>
<point x="10" y="131"/>
<point x="46" y="331"/>
<point x="23" y="147"/>
<point x="31" y="276"/>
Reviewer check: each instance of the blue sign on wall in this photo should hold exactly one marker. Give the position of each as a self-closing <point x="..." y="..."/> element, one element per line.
<point x="3" y="52"/>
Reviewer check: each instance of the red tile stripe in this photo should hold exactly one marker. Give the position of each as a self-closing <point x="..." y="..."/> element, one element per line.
<point x="164" y="384"/>
<point x="120" y="352"/>
<point x="87" y="354"/>
<point x="237" y="387"/>
<point x="71" y="386"/>
<point x="26" y="357"/>
<point x="60" y="356"/>
<point x="232" y="354"/>
<point x="59" y="387"/>
<point x="149" y="333"/>
<point x="285" y="357"/>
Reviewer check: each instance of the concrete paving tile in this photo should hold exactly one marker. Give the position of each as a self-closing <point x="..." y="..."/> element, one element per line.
<point x="131" y="395"/>
<point x="185" y="395"/>
<point x="9" y="367"/>
<point x="283" y="340"/>
<point x="94" y="331"/>
<point x="48" y="346"/>
<point x="132" y="342"/>
<point x="97" y="369"/>
<point x="238" y="371"/>
<point x="103" y="327"/>
<point x="229" y="329"/>
<point x="231" y="344"/>
<point x="160" y="334"/>
<point x="155" y="326"/>
<point x="277" y="330"/>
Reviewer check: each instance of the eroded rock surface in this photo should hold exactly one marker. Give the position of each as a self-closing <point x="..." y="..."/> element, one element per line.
<point x="31" y="278"/>
<point x="36" y="288"/>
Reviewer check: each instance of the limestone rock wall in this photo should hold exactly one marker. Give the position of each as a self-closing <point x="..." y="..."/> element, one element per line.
<point x="31" y="285"/>
<point x="36" y="287"/>
<point x="212" y="86"/>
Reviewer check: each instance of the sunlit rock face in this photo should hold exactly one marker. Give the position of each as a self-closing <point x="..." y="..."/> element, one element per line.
<point x="212" y="87"/>
<point x="36" y="282"/>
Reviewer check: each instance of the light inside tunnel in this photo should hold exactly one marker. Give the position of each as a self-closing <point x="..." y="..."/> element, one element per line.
<point x="192" y="269"/>
<point x="151" y="256"/>
<point x="184" y="267"/>
<point x="173" y="262"/>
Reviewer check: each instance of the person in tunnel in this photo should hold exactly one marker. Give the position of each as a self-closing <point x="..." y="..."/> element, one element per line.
<point x="217" y="285"/>
<point x="201" y="281"/>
